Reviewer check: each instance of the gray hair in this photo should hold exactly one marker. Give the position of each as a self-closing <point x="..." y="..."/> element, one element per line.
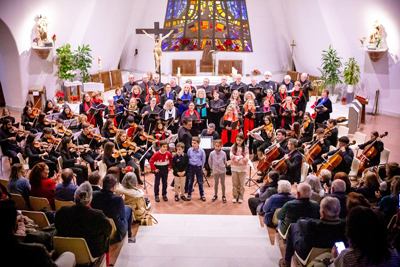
<point x="83" y="194"/>
<point x="330" y="206"/>
<point x="188" y="81"/>
<point x="284" y="186"/>
<point x="156" y="75"/>
<point x="314" y="182"/>
<point x="211" y="125"/>
<point x="287" y="77"/>
<point x="304" y="190"/>
<point x="325" y="175"/>
<point x="304" y="74"/>
<point x="129" y="181"/>
<point x="267" y="73"/>
<point x="206" y="79"/>
<point x="338" y="186"/>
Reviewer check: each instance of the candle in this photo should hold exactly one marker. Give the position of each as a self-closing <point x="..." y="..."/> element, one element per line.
<point x="233" y="68"/>
<point x="179" y="71"/>
<point x="99" y="60"/>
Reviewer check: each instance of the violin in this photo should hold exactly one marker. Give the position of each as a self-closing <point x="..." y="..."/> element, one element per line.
<point x="72" y="115"/>
<point x="48" y="122"/>
<point x="92" y="135"/>
<point x="77" y="148"/>
<point x="18" y="131"/>
<point x="35" y="113"/>
<point x="150" y="138"/>
<point x="120" y="153"/>
<point x="333" y="161"/>
<point x="65" y="131"/>
<point x="129" y="144"/>
<point x="54" y="140"/>
<point x="114" y="129"/>
<point x="368" y="153"/>
<point x="40" y="145"/>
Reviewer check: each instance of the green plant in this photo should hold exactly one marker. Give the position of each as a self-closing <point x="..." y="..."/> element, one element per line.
<point x="83" y="61"/>
<point x="65" y="62"/>
<point x="331" y="64"/>
<point x="351" y="72"/>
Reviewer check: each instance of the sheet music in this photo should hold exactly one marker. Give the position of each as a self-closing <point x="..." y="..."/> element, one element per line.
<point x="206" y="142"/>
<point x="256" y="136"/>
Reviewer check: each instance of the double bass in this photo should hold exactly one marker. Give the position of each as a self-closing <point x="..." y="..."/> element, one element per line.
<point x="368" y="153"/>
<point x="333" y="161"/>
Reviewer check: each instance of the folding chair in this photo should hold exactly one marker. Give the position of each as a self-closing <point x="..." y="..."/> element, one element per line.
<point x="22" y="161"/>
<point x="385" y="156"/>
<point x="38" y="217"/>
<point x="304" y="171"/>
<point x="354" y="167"/>
<point x="343" y="131"/>
<point x="59" y="203"/>
<point x="19" y="202"/>
<point x="38" y="203"/>
<point x="102" y="168"/>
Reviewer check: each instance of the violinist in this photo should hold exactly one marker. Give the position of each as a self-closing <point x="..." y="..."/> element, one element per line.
<point x="159" y="131"/>
<point x="98" y="117"/>
<point x="147" y="111"/>
<point x="6" y="114"/>
<point x="112" y="158"/>
<point x="194" y="115"/>
<point x="29" y="103"/>
<point x="217" y="109"/>
<point x="82" y="118"/>
<point x="167" y="95"/>
<point x="152" y="94"/>
<point x="37" y="153"/>
<point x="85" y="106"/>
<point x="249" y="111"/>
<point x="143" y="144"/>
<point x="46" y="136"/>
<point x="323" y="107"/>
<point x="331" y="127"/>
<point x="378" y="145"/>
<point x="70" y="157"/>
<point x="111" y="109"/>
<point x="267" y="133"/>
<point x="186" y="97"/>
<point x="9" y="137"/>
<point x="122" y="142"/>
<point x="130" y="127"/>
<point x="300" y="100"/>
<point x="50" y="108"/>
<point x="347" y="154"/>
<point x="294" y="131"/>
<point x="28" y="119"/>
<point x="200" y="100"/>
<point x="89" y="142"/>
<point x="170" y="112"/>
<point x="281" y="95"/>
<point x="287" y="113"/>
<point x="228" y="136"/>
<point x="306" y="129"/>
<point x="105" y="131"/>
<point x="319" y="137"/>
<point x="293" y="161"/>
<point x="59" y="127"/>
<point x="41" y="123"/>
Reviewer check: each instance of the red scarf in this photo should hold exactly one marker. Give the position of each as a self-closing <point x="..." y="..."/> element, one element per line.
<point x="282" y="97"/>
<point x="271" y="100"/>
<point x="148" y="97"/>
<point x="89" y="116"/>
<point x="300" y="95"/>
<point x="111" y="109"/>
<point x="187" y="114"/>
<point x="285" y="106"/>
<point x="98" y="102"/>
<point x="248" y="124"/>
<point x="224" y="136"/>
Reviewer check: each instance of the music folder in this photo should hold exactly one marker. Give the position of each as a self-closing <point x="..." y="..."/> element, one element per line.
<point x="256" y="136"/>
<point x="112" y="116"/>
<point x="201" y="106"/>
<point x="218" y="109"/>
<point x="222" y="88"/>
<point x="160" y="90"/>
<point x="92" y="110"/>
<point x="121" y="101"/>
<point x="198" y="120"/>
<point x="155" y="115"/>
<point x="101" y="106"/>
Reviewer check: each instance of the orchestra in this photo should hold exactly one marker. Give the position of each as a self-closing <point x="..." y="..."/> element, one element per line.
<point x="128" y="129"/>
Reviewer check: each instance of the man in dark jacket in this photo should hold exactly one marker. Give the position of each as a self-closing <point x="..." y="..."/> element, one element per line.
<point x="269" y="188"/>
<point x="347" y="154"/>
<point x="321" y="233"/>
<point x="293" y="162"/>
<point x="338" y="190"/>
<point x="82" y="221"/>
<point x="377" y="144"/>
<point x="113" y="207"/>
<point x="184" y="134"/>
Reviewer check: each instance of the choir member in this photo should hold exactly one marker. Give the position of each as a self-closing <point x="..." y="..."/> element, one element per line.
<point x="217" y="109"/>
<point x="323" y="107"/>
<point x="281" y="95"/>
<point x="137" y="94"/>
<point x="224" y="96"/>
<point x="268" y="84"/>
<point x="287" y="83"/>
<point x="176" y="88"/>
<point x="186" y="98"/>
<point x="133" y="110"/>
<point x="299" y="99"/>
<point x="194" y="115"/>
<point x="288" y="113"/>
<point x="228" y="135"/>
<point x="237" y="84"/>
<point x="167" y="95"/>
<point x="170" y="112"/>
<point x="235" y="96"/>
<point x="145" y="85"/>
<point x="207" y="88"/>
<point x="146" y="114"/>
<point x="305" y="86"/>
<point x="127" y="89"/>
<point x="85" y="106"/>
<point x="254" y="88"/>
<point x="98" y="117"/>
<point x="249" y="114"/>
<point x="250" y="96"/>
<point x="118" y="96"/>
<point x="201" y="99"/>
<point x="111" y="109"/>
<point x="152" y="93"/>
<point x="156" y="82"/>
<point x="270" y="110"/>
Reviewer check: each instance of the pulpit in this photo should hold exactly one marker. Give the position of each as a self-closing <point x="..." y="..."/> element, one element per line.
<point x="225" y="66"/>
<point x="206" y="63"/>
<point x="39" y="95"/>
<point x="105" y="78"/>
<point x="71" y="92"/>
<point x="116" y="78"/>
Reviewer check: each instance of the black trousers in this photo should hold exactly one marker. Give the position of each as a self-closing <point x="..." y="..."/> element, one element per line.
<point x="89" y="158"/>
<point x="253" y="204"/>
<point x="316" y="162"/>
<point x="81" y="172"/>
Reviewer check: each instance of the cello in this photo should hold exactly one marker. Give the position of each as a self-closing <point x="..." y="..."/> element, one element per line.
<point x="368" y="153"/>
<point x="270" y="156"/>
<point x="280" y="167"/>
<point x="315" y="149"/>
<point x="334" y="161"/>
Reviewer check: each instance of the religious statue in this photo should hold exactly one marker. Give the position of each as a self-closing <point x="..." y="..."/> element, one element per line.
<point x="157" y="48"/>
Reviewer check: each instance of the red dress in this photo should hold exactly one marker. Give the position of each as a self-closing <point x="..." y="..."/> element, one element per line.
<point x="224" y="135"/>
<point x="248" y="124"/>
<point x="45" y="190"/>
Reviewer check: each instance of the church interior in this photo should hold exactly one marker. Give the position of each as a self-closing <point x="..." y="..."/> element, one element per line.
<point x="200" y="133"/>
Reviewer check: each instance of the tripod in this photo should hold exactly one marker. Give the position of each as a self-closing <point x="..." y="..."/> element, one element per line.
<point x="144" y="173"/>
<point x="250" y="179"/>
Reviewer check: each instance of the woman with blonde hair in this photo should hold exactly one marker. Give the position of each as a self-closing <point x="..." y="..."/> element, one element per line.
<point x="250" y="96"/>
<point x="281" y="95"/>
<point x="201" y="99"/>
<point x="235" y="96"/>
<point x="228" y="136"/>
<point x="185" y="97"/>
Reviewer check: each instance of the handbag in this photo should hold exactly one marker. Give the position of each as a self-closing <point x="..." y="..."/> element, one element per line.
<point x="148" y="220"/>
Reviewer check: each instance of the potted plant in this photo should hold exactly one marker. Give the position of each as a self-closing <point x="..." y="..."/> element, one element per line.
<point x="236" y="49"/>
<point x="344" y="99"/>
<point x="75" y="99"/>
<point x="83" y="61"/>
<point x="36" y="40"/>
<point x="331" y="64"/>
<point x="72" y="74"/>
<point x="176" y="47"/>
<point x="65" y="62"/>
<point x="228" y="44"/>
<point x="378" y="42"/>
<point x="185" y="42"/>
<point x="60" y="97"/>
<point x="351" y="74"/>
<point x="195" y="47"/>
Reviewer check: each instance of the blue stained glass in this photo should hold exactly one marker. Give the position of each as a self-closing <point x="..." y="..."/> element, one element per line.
<point x="169" y="9"/>
<point x="180" y="6"/>
<point x="233" y="7"/>
<point x="244" y="11"/>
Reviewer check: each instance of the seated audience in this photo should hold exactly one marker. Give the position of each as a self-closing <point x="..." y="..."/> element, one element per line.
<point x="41" y="186"/>
<point x="355" y="199"/>
<point x="325" y="177"/>
<point x="345" y="178"/>
<point x="94" y="180"/>
<point x="388" y="205"/>
<point x="114" y="208"/>
<point x="368" y="186"/>
<point x="17" y="184"/>
<point x="317" y="193"/>
<point x="338" y="191"/>
<point x="15" y="253"/>
<point x="319" y="233"/>
<point x="277" y="201"/>
<point x="391" y="170"/>
<point x="367" y="236"/>
<point x="302" y="206"/>
<point x="65" y="191"/>
<point x="82" y="221"/>
<point x="269" y="188"/>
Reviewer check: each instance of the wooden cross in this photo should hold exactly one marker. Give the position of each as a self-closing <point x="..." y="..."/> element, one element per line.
<point x="292" y="45"/>
<point x="156" y="31"/>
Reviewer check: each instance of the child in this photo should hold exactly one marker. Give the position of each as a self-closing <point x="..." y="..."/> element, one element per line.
<point x="161" y="163"/>
<point x="197" y="159"/>
<point x="180" y="165"/>
<point x="217" y="162"/>
<point x="239" y="157"/>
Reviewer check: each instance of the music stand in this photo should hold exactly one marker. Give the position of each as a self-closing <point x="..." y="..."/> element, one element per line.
<point x="206" y="143"/>
<point x="250" y="179"/>
<point x="144" y="173"/>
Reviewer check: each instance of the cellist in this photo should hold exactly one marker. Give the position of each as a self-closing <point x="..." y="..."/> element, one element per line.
<point x="378" y="145"/>
<point x="324" y="148"/>
<point x="293" y="161"/>
<point x="347" y="154"/>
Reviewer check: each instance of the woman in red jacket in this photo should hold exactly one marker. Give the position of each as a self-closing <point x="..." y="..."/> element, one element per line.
<point x="41" y="186"/>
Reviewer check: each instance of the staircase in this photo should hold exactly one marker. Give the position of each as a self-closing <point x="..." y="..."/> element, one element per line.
<point x="201" y="240"/>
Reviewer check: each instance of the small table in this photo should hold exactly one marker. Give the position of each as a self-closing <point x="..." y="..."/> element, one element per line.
<point x="68" y="85"/>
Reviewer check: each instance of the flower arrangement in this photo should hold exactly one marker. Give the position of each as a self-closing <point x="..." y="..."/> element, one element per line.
<point x="344" y="100"/>
<point x="42" y="28"/>
<point x="228" y="44"/>
<point x="176" y="47"/>
<point x="185" y="41"/>
<point x="75" y="98"/>
<point x="256" y="72"/>
<point x="36" y="40"/>
<point x="60" y="96"/>
<point x="314" y="115"/>
<point x="236" y="49"/>
<point x="220" y="47"/>
<point x="195" y="47"/>
<point x="70" y="74"/>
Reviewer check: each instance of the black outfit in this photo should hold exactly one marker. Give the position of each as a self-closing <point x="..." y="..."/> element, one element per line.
<point x="158" y="85"/>
<point x="40" y="126"/>
<point x="62" y="116"/>
<point x="147" y="120"/>
<point x="342" y="196"/>
<point x="216" y="114"/>
<point x="128" y="87"/>
<point x="224" y="97"/>
<point x="185" y="137"/>
<point x="10" y="148"/>
<point x="172" y="125"/>
<point x="144" y="87"/>
<point x="318" y="159"/>
<point x="301" y="102"/>
<point x="257" y="92"/>
<point x="92" y="225"/>
<point x="333" y="138"/>
<point x="270" y="85"/>
<point x="164" y="98"/>
<point x="195" y="126"/>
<point x="25" y="120"/>
<point x="209" y="91"/>
<point x="214" y="134"/>
<point x="98" y="116"/>
<point x="89" y="156"/>
<point x="308" y="133"/>
<point x="324" y="115"/>
<point x="81" y="171"/>
<point x="177" y="89"/>
<point x="289" y="86"/>
<point x="257" y="202"/>
<point x="139" y="154"/>
<point x="378" y="145"/>
<point x="129" y="161"/>
<point x="293" y="172"/>
<point x="262" y="145"/>
<point x="287" y="120"/>
<point x="345" y="164"/>
<point x="235" y="86"/>
<point x="306" y="87"/>
<point x="180" y="163"/>
<point x="107" y="134"/>
<point x="33" y="153"/>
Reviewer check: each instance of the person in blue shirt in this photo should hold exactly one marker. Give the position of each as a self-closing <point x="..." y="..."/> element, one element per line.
<point x="65" y="191"/>
<point x="197" y="159"/>
<point x="17" y="184"/>
<point x="277" y="201"/>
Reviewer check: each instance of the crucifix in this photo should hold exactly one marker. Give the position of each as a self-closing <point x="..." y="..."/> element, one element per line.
<point x="292" y="61"/>
<point x="157" y="42"/>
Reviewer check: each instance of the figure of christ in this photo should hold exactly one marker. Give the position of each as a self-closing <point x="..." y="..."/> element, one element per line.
<point x="157" y="48"/>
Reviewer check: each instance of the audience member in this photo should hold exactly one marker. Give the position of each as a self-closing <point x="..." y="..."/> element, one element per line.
<point x="368" y="186"/>
<point x="355" y="199"/>
<point x="338" y="191"/>
<point x="65" y="191"/>
<point x="388" y="205"/>
<point x="41" y="186"/>
<point x="17" y="184"/>
<point x="317" y="193"/>
<point x="94" y="180"/>
<point x="269" y="188"/>
<point x="345" y="178"/>
<point x="277" y="201"/>
<point x="325" y="177"/>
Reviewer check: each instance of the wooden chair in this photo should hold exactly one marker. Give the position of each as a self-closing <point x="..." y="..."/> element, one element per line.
<point x="4" y="183"/>
<point x="113" y="229"/>
<point x="272" y="230"/>
<point x="79" y="248"/>
<point x="38" y="217"/>
<point x="19" y="202"/>
<point x="284" y="236"/>
<point x="294" y="75"/>
<point x="22" y="161"/>
<point x="58" y="204"/>
<point x="315" y="252"/>
<point x="38" y="203"/>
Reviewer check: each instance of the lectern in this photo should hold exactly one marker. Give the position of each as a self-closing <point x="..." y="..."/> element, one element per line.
<point x="38" y="92"/>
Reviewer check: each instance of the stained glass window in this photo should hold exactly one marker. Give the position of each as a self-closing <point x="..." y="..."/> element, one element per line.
<point x="222" y="24"/>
